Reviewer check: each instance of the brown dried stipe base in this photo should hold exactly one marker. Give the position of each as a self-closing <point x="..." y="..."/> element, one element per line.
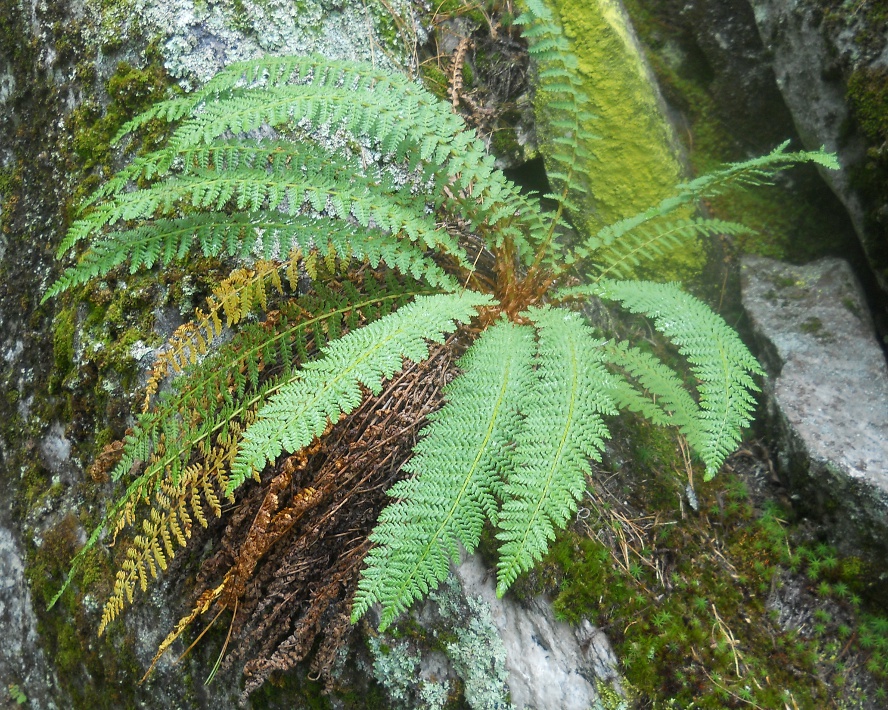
<point x="290" y="558"/>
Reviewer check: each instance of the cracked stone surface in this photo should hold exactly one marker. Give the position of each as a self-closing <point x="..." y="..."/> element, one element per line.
<point x="827" y="394"/>
<point x="550" y="664"/>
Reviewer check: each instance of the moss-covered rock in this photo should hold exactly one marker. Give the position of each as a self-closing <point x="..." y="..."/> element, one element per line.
<point x="636" y="161"/>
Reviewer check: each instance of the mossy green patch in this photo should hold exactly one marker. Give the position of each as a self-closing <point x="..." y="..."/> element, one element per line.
<point x="635" y="163"/>
<point x="868" y="96"/>
<point x="130" y="90"/>
<point x="868" y="93"/>
<point x="69" y="636"/>
<point x="434" y="79"/>
<point x="63" y="331"/>
<point x="798" y="219"/>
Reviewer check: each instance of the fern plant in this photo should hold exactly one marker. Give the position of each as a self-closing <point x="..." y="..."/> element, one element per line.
<point x="320" y="171"/>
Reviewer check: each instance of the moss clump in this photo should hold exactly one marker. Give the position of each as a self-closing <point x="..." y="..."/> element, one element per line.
<point x="635" y="162"/>
<point x="868" y="94"/>
<point x="129" y="91"/>
<point x="814" y="326"/>
<point x="69" y="637"/>
<point x="434" y="80"/>
<point x="63" y="331"/>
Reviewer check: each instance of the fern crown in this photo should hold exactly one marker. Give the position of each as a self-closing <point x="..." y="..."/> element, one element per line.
<point x="305" y="169"/>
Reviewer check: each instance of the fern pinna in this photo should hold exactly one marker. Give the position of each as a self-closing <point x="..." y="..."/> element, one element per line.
<point x="331" y="170"/>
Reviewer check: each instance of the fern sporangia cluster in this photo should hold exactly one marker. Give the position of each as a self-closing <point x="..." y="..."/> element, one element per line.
<point x="376" y="203"/>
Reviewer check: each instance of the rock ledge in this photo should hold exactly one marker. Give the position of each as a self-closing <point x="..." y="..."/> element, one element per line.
<point x="827" y="394"/>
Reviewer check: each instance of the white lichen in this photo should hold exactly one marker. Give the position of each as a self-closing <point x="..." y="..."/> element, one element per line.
<point x="394" y="667"/>
<point x="478" y="655"/>
<point x="197" y="39"/>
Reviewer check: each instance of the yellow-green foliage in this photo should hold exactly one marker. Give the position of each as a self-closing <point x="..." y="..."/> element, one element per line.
<point x="634" y="163"/>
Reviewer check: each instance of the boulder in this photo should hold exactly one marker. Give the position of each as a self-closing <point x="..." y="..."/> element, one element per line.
<point x="826" y="393"/>
<point x="505" y="654"/>
<point x="831" y="67"/>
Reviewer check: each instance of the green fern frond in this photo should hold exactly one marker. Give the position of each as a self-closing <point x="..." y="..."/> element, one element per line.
<point x="562" y="430"/>
<point x="718" y="358"/>
<point x="567" y="112"/>
<point x="329" y="387"/>
<point x="649" y="241"/>
<point x="266" y="233"/>
<point x="756" y="171"/>
<point x="458" y="467"/>
<point x="227" y="383"/>
<point x="398" y="115"/>
<point x="660" y="395"/>
<point x="203" y="169"/>
<point x="256" y="189"/>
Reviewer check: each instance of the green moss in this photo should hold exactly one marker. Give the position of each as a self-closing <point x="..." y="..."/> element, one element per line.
<point x="868" y="94"/>
<point x="8" y="182"/>
<point x="395" y="33"/>
<point x="63" y="331"/>
<point x="682" y="596"/>
<point x="68" y="630"/>
<point x="812" y="326"/>
<point x="468" y="75"/>
<point x="635" y="162"/>
<point x="434" y="80"/>
<point x="35" y="482"/>
<point x="130" y="91"/>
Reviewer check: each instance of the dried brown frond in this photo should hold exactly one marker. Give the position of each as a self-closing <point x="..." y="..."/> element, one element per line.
<point x="456" y="71"/>
<point x="241" y="293"/>
<point x="292" y="551"/>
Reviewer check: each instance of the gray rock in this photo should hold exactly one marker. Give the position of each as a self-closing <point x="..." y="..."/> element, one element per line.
<point x="742" y="82"/>
<point x="812" y="61"/>
<point x="827" y="394"/>
<point x="551" y="665"/>
<point x="506" y="655"/>
<point x="34" y="679"/>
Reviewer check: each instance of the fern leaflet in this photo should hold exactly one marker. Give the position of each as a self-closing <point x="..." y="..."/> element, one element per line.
<point x="458" y="467"/>
<point x="327" y="388"/>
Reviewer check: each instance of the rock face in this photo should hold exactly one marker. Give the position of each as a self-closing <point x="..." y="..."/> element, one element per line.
<point x="827" y="394"/>
<point x="34" y="679"/>
<point x="737" y="66"/>
<point x="551" y="665"/>
<point x="504" y="654"/>
<point x="831" y="66"/>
